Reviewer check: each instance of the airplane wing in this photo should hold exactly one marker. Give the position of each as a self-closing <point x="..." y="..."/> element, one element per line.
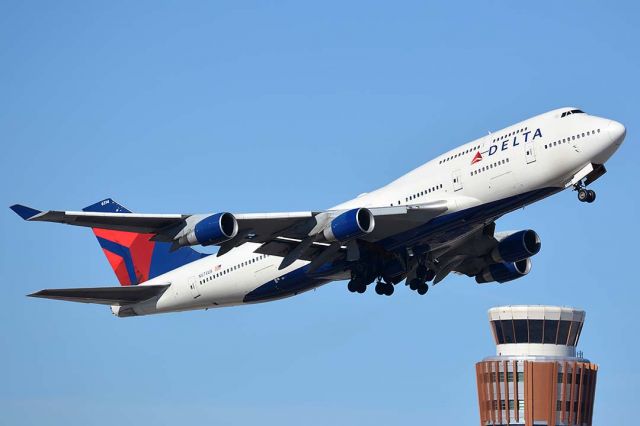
<point x="255" y="227"/>
<point x="477" y="250"/>
<point x="104" y="295"/>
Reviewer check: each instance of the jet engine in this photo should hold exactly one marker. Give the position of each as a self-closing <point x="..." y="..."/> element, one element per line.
<point x="350" y="224"/>
<point x="517" y="246"/>
<point x="214" y="229"/>
<point x="504" y="272"/>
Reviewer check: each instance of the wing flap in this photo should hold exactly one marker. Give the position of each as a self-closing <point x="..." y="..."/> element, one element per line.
<point x="282" y="246"/>
<point x="104" y="295"/>
<point x="394" y="220"/>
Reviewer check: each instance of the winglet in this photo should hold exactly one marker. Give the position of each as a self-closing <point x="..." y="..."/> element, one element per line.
<point x="24" y="212"/>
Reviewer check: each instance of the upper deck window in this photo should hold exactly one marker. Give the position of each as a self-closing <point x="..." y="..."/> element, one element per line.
<point x="573" y="111"/>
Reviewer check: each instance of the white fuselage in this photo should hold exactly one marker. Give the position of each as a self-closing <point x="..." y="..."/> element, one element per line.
<point x="543" y="152"/>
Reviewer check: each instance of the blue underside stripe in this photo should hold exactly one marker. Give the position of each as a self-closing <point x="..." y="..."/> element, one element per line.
<point x="446" y="226"/>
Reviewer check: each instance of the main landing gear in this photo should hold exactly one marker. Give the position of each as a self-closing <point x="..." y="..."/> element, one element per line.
<point x="359" y="286"/>
<point x="384" y="288"/>
<point x="585" y="195"/>
<point x="360" y="279"/>
<point x="419" y="283"/>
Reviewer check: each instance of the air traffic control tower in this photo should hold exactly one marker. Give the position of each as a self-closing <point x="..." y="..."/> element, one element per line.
<point x="536" y="377"/>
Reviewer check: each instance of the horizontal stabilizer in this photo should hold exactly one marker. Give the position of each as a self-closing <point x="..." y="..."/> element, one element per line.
<point x="121" y="221"/>
<point x="104" y="295"/>
<point x="25" y="212"/>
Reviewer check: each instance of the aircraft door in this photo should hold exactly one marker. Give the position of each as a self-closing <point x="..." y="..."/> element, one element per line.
<point x="457" y="183"/>
<point x="193" y="287"/>
<point x="530" y="152"/>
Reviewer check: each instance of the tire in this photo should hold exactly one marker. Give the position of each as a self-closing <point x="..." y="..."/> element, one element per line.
<point x="592" y="196"/>
<point x="352" y="286"/>
<point x="423" y="289"/>
<point x="361" y="288"/>
<point x="380" y="289"/>
<point x="583" y="195"/>
<point x="389" y="289"/>
<point x="415" y="284"/>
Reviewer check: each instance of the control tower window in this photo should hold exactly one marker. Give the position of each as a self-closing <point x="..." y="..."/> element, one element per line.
<point x="535" y="331"/>
<point x="507" y="331"/>
<point x="573" y="333"/>
<point x="520" y="327"/>
<point x="563" y="332"/>
<point x="497" y="327"/>
<point x="550" y="331"/>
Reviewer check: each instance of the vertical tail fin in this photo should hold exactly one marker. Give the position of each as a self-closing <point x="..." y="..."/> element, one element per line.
<point x="134" y="257"/>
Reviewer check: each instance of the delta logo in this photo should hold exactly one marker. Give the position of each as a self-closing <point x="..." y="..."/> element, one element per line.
<point x="477" y="157"/>
<point x="506" y="144"/>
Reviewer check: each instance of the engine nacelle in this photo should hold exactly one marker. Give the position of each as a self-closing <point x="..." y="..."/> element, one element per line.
<point x="517" y="246"/>
<point x="503" y="272"/>
<point x="214" y="229"/>
<point x="350" y="224"/>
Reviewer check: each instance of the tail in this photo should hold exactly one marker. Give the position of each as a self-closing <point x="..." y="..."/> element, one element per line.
<point x="134" y="257"/>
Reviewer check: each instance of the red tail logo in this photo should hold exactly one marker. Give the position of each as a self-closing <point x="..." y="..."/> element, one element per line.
<point x="476" y="158"/>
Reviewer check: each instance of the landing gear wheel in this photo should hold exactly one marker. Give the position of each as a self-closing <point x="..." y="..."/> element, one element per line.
<point x="355" y="286"/>
<point x="380" y="288"/>
<point x="388" y="289"/>
<point x="423" y="289"/>
<point x="414" y="284"/>
<point x="591" y="196"/>
<point x="583" y="195"/>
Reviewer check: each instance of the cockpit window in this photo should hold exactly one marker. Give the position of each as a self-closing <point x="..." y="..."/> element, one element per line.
<point x="573" y="111"/>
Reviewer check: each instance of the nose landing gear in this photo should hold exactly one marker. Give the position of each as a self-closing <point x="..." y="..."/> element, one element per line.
<point x="585" y="195"/>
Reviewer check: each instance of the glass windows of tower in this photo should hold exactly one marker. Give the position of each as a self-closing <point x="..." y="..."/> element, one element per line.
<point x="550" y="331"/>
<point x="497" y="328"/>
<point x="563" y="332"/>
<point x="522" y="334"/>
<point x="537" y="331"/>
<point x="507" y="331"/>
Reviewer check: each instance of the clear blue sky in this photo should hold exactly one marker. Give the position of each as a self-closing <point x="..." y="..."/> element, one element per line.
<point x="268" y="106"/>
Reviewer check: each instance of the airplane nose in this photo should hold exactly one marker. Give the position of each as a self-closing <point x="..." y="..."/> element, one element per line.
<point x="617" y="132"/>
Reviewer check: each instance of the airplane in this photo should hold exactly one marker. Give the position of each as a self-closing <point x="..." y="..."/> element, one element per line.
<point x="435" y="220"/>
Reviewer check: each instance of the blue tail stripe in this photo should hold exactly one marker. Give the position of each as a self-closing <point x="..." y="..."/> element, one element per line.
<point x="123" y="252"/>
